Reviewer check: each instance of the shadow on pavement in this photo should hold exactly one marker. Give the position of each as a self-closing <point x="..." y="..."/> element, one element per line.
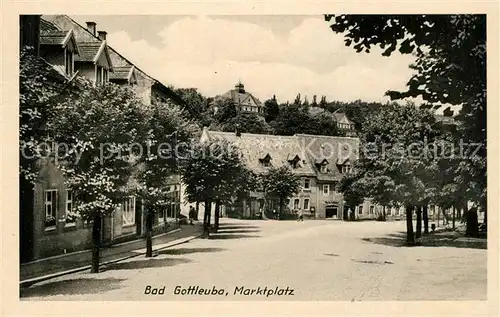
<point x="189" y="250"/>
<point x="236" y="227"/>
<point x="441" y="239"/>
<point x="72" y="287"/>
<point x="144" y="264"/>
<point x="224" y="230"/>
<point x="217" y="236"/>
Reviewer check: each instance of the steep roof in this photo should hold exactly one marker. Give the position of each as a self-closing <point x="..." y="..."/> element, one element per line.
<point x="310" y="149"/>
<point x="58" y="37"/>
<point x="123" y="72"/>
<point x="47" y="26"/>
<point x="342" y="117"/>
<point x="53" y="37"/>
<point x="88" y="51"/>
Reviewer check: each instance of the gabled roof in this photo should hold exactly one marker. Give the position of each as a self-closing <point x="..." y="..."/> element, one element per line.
<point x="47" y="26"/>
<point x="255" y="147"/>
<point x="91" y="51"/>
<point x="122" y="73"/>
<point x="341" y="117"/>
<point x="240" y="98"/>
<point x="58" y="37"/>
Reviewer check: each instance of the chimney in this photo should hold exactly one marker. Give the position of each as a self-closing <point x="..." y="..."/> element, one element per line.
<point x="91" y="26"/>
<point x="102" y="35"/>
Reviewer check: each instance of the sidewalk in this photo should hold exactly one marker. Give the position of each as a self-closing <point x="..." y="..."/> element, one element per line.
<point x="81" y="260"/>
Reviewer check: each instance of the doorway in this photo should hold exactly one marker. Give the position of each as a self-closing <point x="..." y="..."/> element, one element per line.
<point x="331" y="212"/>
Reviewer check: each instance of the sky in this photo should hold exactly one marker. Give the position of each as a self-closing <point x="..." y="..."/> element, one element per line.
<point x="272" y="55"/>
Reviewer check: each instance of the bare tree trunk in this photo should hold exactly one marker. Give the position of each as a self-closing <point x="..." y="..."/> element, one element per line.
<point x="216" y="215"/>
<point x="206" y="219"/>
<point x="383" y="213"/>
<point x="96" y="242"/>
<point x="453" y="218"/>
<point x="425" y="215"/>
<point x="410" y="238"/>
<point x="149" y="232"/>
<point x="439" y="212"/>
<point x="280" y="214"/>
<point x="419" y="222"/>
<point x="197" y="210"/>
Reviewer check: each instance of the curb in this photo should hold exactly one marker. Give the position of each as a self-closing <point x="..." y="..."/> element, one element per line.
<point x="29" y="282"/>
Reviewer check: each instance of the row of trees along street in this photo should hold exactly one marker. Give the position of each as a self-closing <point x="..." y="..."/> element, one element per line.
<point x="215" y="173"/>
<point x="114" y="146"/>
<point x="450" y="69"/>
<point x="106" y="131"/>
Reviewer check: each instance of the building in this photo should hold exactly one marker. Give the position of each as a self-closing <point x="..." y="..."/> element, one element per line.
<point x="245" y="102"/>
<point x="320" y="161"/>
<point x="344" y="124"/>
<point x="48" y="224"/>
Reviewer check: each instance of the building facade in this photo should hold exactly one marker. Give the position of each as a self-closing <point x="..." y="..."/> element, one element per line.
<point x="49" y="225"/>
<point x="244" y="101"/>
<point x="319" y="161"/>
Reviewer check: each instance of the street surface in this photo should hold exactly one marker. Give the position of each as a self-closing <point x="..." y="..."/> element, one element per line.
<point x="318" y="260"/>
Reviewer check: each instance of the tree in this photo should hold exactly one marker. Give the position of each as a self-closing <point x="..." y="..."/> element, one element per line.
<point x="224" y="109"/>
<point x="41" y="87"/>
<point x="280" y="183"/>
<point x="209" y="174"/>
<point x="395" y="165"/>
<point x="294" y="119"/>
<point x="194" y="101"/>
<point x="168" y="131"/>
<point x="443" y="73"/>
<point x="298" y="100"/>
<point x="245" y="123"/>
<point x="99" y="129"/>
<point x="271" y="109"/>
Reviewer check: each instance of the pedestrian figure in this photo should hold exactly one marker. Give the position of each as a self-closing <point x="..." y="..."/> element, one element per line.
<point x="300" y="215"/>
<point x="274" y="214"/>
<point x="191" y="214"/>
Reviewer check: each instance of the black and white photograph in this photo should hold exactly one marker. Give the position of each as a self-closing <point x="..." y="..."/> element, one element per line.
<point x="253" y="157"/>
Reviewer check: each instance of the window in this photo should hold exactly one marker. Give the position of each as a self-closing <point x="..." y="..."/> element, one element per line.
<point x="105" y="75"/>
<point x="323" y="168"/>
<point x="306" y="203"/>
<point x="296" y="203"/>
<point x="372" y="210"/>
<point x="129" y="211"/>
<point x="346" y="169"/>
<point x="98" y="74"/>
<point x="360" y="209"/>
<point x="161" y="215"/>
<point x="50" y="209"/>
<point x="307" y="183"/>
<point x="326" y="188"/>
<point x="68" y="62"/>
<point x="70" y="214"/>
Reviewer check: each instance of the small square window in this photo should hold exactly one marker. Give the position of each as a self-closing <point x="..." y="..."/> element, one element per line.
<point x="307" y="183"/>
<point x="323" y="168"/>
<point x="326" y="189"/>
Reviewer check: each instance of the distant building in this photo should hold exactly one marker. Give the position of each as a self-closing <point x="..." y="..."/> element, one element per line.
<point x="320" y="161"/>
<point x="245" y="102"/>
<point x="344" y="124"/>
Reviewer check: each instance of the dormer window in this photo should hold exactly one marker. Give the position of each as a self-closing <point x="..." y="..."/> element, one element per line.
<point x="322" y="165"/>
<point x="323" y="168"/>
<point x="346" y="169"/>
<point x="295" y="162"/>
<point x="266" y="160"/>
